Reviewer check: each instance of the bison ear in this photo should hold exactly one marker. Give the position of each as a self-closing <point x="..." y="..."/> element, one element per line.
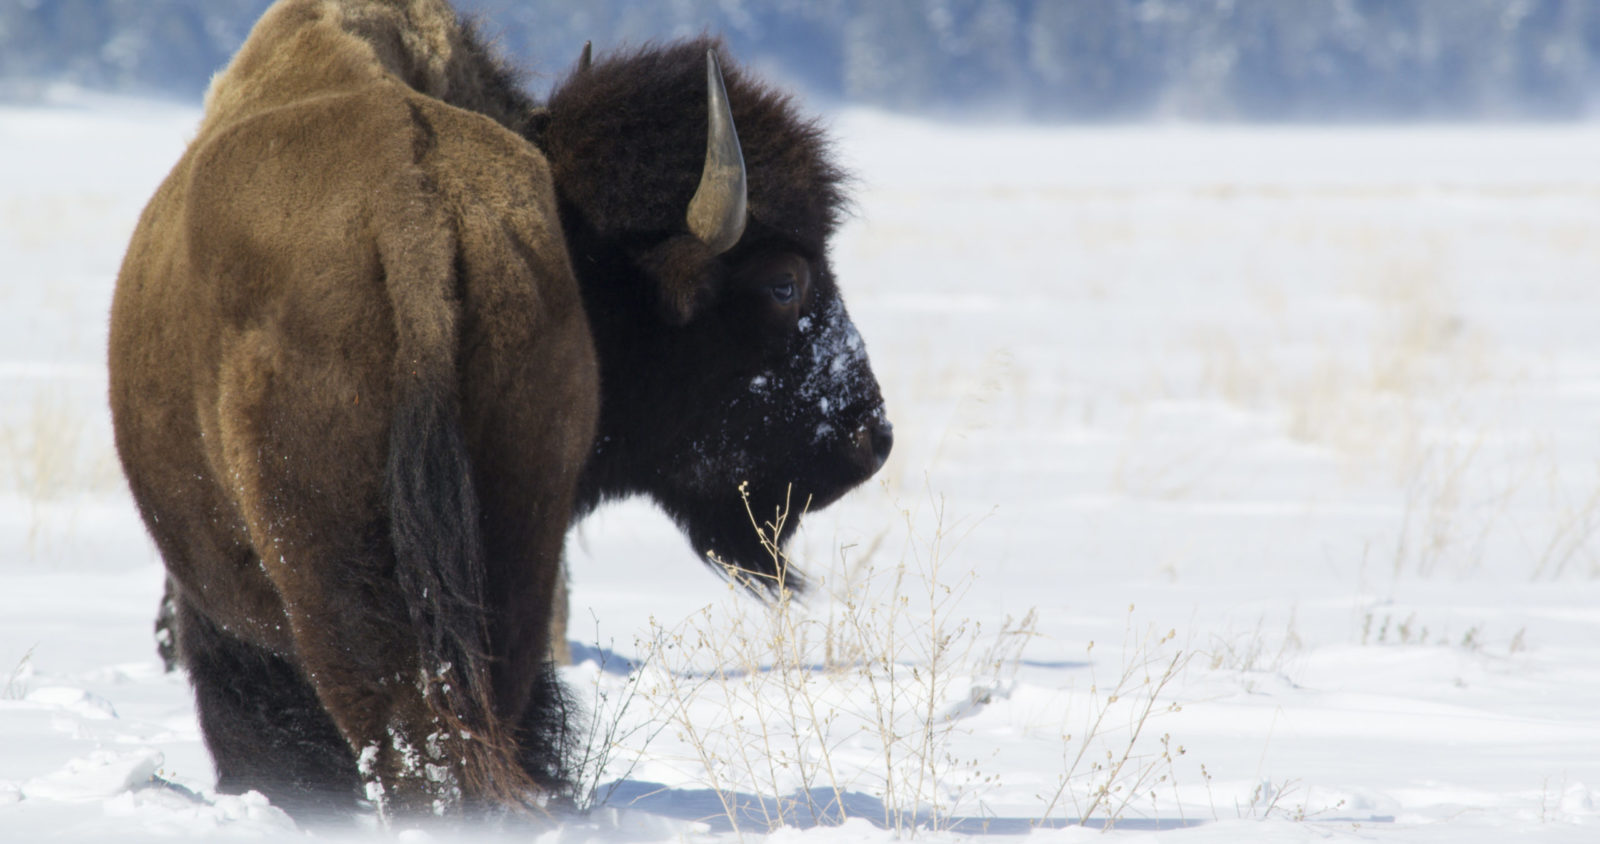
<point x="683" y="270"/>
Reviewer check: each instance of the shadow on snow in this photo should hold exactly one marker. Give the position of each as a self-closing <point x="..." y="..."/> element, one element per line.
<point x="823" y="807"/>
<point x="615" y="664"/>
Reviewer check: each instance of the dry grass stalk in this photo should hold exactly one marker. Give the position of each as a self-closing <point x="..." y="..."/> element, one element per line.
<point x="1110" y="785"/>
<point x="795" y="717"/>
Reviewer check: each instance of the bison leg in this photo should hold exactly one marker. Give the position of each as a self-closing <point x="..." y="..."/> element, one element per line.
<point x="544" y="739"/>
<point x="529" y="408"/>
<point x="524" y="530"/>
<point x="560" y="648"/>
<point x="166" y="629"/>
<point x="307" y="462"/>
<point x="354" y="640"/>
<point x="263" y="724"/>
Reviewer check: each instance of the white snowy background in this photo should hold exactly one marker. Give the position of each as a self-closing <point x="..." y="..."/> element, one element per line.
<point x="1290" y="437"/>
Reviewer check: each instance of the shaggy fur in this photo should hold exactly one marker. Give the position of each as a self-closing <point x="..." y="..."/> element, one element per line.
<point x="349" y="294"/>
<point x="707" y="382"/>
<point x="360" y="389"/>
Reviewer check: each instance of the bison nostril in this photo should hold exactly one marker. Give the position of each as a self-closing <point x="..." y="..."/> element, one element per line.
<point x="871" y="444"/>
<point x="882" y="442"/>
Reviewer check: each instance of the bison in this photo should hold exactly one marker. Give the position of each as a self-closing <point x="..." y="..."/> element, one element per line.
<point x="390" y="326"/>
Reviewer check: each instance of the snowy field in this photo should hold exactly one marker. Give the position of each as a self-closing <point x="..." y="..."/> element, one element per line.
<point x="1246" y="487"/>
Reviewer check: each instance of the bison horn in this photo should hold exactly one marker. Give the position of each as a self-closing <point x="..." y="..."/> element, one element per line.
<point x="717" y="211"/>
<point x="586" y="58"/>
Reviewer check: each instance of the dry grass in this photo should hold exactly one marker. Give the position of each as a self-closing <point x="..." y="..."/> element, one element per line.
<point x="1106" y="787"/>
<point x="1572" y="542"/>
<point x="810" y="701"/>
<point x="16" y="687"/>
<point x="794" y="715"/>
<point x="1256" y="651"/>
<point x="1402" y="405"/>
<point x="43" y="451"/>
<point x="610" y="733"/>
<point x="1369" y="403"/>
<point x="47" y="456"/>
<point x="1285" y="800"/>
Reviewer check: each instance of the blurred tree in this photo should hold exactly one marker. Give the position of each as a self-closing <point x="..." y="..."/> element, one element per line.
<point x="1052" y="59"/>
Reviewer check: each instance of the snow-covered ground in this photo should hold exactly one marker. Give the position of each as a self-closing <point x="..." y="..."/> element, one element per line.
<point x="1290" y="437"/>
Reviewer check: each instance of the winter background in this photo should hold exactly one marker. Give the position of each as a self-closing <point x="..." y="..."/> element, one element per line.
<point x="1243" y="363"/>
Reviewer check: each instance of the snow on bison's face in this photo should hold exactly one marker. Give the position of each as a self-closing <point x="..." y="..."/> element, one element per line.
<point x="791" y="411"/>
<point x="697" y="214"/>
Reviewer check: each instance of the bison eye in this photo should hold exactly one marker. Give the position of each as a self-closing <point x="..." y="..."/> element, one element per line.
<point x="783" y="292"/>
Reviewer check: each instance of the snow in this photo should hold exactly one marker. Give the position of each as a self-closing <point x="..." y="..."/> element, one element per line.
<point x="1290" y="436"/>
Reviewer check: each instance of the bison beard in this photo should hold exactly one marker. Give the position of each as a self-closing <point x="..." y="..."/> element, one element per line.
<point x="390" y="326"/>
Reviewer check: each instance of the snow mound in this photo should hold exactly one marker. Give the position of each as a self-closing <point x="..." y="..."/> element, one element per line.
<point x="101" y="774"/>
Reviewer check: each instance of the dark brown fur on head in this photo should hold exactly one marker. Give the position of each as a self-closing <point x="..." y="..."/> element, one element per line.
<point x="640" y="116"/>
<point x="685" y="334"/>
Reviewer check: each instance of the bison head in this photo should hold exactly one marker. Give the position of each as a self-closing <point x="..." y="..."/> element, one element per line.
<point x="697" y="208"/>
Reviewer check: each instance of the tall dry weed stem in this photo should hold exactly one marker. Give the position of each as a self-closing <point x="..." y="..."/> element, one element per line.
<point x="797" y="716"/>
<point x="47" y="457"/>
<point x="609" y="734"/>
<point x="1104" y="788"/>
<point x="1573" y="535"/>
<point x="16" y="687"/>
<point x="811" y="700"/>
<point x="49" y="454"/>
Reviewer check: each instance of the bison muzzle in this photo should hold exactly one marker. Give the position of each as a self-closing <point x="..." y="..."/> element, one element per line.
<point x="389" y="326"/>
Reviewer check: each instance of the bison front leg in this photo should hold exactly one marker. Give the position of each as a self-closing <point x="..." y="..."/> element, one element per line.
<point x="560" y="606"/>
<point x="389" y="652"/>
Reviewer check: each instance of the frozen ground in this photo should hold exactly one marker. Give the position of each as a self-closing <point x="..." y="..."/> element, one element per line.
<point x="1291" y="438"/>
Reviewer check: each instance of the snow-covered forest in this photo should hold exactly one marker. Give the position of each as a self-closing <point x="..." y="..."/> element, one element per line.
<point x="1349" y="60"/>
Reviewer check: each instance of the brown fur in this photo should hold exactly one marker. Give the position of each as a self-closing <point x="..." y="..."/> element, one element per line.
<point x="352" y="262"/>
